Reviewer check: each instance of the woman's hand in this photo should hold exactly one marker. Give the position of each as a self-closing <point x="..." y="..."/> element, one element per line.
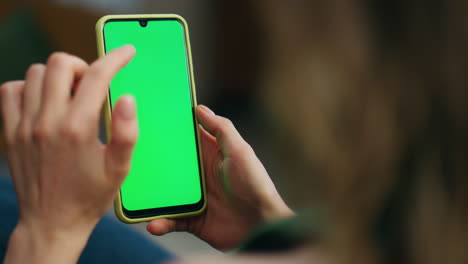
<point x="240" y="192"/>
<point x="65" y="178"/>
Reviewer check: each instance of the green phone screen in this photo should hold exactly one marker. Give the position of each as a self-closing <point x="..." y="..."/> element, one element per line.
<point x="165" y="165"/>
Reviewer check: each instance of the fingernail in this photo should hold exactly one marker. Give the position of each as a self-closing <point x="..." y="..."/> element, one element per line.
<point x="127" y="108"/>
<point x="206" y="109"/>
<point x="129" y="47"/>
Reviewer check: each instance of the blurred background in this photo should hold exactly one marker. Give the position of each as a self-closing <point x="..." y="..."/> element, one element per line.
<point x="231" y="41"/>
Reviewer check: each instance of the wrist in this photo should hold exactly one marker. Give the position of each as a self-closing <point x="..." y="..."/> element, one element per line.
<point x="33" y="245"/>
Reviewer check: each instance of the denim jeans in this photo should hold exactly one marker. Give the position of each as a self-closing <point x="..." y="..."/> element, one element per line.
<point x="111" y="241"/>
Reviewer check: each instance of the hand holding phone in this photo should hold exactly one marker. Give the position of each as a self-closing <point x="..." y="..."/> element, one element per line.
<point x="240" y="193"/>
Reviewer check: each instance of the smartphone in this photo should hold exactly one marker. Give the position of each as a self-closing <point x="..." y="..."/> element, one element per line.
<point x="166" y="177"/>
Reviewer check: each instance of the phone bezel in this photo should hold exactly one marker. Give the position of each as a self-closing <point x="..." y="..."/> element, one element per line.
<point x="133" y="216"/>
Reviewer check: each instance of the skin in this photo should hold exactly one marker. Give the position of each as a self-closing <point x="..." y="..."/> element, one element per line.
<point x="240" y="192"/>
<point x="66" y="179"/>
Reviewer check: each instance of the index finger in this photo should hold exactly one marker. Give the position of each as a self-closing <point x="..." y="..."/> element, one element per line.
<point x="226" y="134"/>
<point x="94" y="85"/>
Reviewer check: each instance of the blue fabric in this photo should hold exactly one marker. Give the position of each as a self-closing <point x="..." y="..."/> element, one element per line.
<point x="110" y="242"/>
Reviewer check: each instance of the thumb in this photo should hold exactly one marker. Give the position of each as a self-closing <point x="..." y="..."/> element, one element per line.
<point x="124" y="133"/>
<point x="163" y="226"/>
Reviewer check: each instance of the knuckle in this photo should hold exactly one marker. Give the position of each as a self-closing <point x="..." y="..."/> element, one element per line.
<point x="127" y="141"/>
<point x="42" y="132"/>
<point x="245" y="150"/>
<point x="225" y="124"/>
<point x="240" y="147"/>
<point x="5" y="88"/>
<point x="73" y="132"/>
<point x="97" y="72"/>
<point x="124" y="141"/>
<point x="58" y="60"/>
<point x="34" y="70"/>
<point x="122" y="170"/>
<point x="9" y="139"/>
<point x="117" y="175"/>
<point x="23" y="135"/>
<point x="223" y="127"/>
<point x="11" y="88"/>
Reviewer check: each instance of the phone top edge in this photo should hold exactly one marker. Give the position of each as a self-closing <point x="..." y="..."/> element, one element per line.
<point x="99" y="27"/>
<point x="106" y="18"/>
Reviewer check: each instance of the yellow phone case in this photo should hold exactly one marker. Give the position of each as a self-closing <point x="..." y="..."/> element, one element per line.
<point x="107" y="111"/>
